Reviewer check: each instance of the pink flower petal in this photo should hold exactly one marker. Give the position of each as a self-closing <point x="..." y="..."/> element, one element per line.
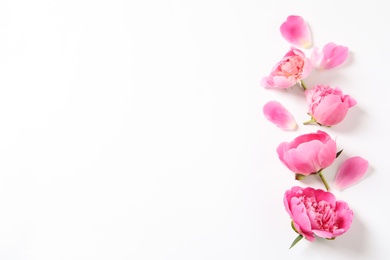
<point x="279" y="115"/>
<point x="333" y="55"/>
<point x="296" y="32"/>
<point x="350" y="172"/>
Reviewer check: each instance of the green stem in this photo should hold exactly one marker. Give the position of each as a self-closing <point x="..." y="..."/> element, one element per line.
<point x="323" y="180"/>
<point x="311" y="121"/>
<point x="303" y="85"/>
<point x="296" y="240"/>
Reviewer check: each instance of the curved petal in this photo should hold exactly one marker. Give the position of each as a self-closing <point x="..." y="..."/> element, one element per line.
<point x="350" y="172"/>
<point x="295" y="31"/>
<point x="331" y="110"/>
<point x="299" y="162"/>
<point x="301" y="220"/>
<point x="323" y="233"/>
<point x="350" y="100"/>
<point x="333" y="55"/>
<point x="316" y="57"/>
<point x="279" y="115"/>
<point x="345" y="215"/>
<point x="327" y="154"/>
<point x="277" y="82"/>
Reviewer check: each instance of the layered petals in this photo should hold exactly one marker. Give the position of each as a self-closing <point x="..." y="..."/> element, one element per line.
<point x="328" y="106"/>
<point x="316" y="212"/>
<point x="277" y="114"/>
<point x="351" y="172"/>
<point x="308" y="153"/>
<point x="296" y="32"/>
<point x="294" y="67"/>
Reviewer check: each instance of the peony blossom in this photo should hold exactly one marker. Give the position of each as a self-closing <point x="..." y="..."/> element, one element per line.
<point x="328" y="106"/>
<point x="294" y="67"/>
<point x="351" y="171"/>
<point x="279" y="115"/>
<point x="316" y="212"/>
<point x="295" y="31"/>
<point x="309" y="153"/>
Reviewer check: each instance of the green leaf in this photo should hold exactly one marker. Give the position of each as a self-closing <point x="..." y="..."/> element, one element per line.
<point x="293" y="227"/>
<point x="296" y="240"/>
<point x="338" y="153"/>
<point x="299" y="176"/>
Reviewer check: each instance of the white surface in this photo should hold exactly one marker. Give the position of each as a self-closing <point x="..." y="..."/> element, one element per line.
<point x="134" y="129"/>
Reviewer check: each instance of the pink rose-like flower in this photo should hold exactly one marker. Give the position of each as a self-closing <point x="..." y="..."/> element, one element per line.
<point x="316" y="212"/>
<point x="294" y="67"/>
<point x="309" y="153"/>
<point x="328" y="106"/>
<point x="295" y="31"/>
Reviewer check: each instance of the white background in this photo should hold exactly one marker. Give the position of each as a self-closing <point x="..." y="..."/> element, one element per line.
<point x="134" y="129"/>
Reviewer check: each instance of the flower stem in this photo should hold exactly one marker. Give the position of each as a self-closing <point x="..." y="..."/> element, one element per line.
<point x="303" y="85"/>
<point x="311" y="121"/>
<point x="296" y="240"/>
<point x="323" y="180"/>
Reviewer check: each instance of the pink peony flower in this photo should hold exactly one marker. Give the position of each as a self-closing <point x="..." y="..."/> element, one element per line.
<point x="351" y="171"/>
<point x="315" y="212"/>
<point x="279" y="115"/>
<point x="295" y="31"/>
<point x="294" y="67"/>
<point x="328" y="106"/>
<point x="309" y="153"/>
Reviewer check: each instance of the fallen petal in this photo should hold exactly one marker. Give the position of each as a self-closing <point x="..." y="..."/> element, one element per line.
<point x="333" y="55"/>
<point x="295" y="31"/>
<point x="350" y="172"/>
<point x="279" y="115"/>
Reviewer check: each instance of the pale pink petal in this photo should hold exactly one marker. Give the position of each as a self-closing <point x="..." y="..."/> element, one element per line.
<point x="279" y="115"/>
<point x="316" y="57"/>
<point x="333" y="55"/>
<point x="295" y="31"/>
<point x="277" y="82"/>
<point x="350" y="172"/>
<point x="323" y="233"/>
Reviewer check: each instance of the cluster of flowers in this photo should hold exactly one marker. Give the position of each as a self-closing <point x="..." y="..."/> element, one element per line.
<point x="313" y="212"/>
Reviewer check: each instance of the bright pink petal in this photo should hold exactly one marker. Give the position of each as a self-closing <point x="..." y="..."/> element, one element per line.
<point x="296" y="32"/>
<point x="304" y="158"/>
<point x="301" y="220"/>
<point x="333" y="55"/>
<point x="350" y="172"/>
<point x="279" y="115"/>
<point x="331" y="110"/>
<point x="345" y="215"/>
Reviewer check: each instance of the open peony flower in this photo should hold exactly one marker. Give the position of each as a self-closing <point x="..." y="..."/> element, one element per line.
<point x="350" y="172"/>
<point x="279" y="115"/>
<point x="331" y="56"/>
<point x="316" y="212"/>
<point x="294" y="67"/>
<point x="295" y="31"/>
<point x="327" y="106"/>
<point x="308" y="154"/>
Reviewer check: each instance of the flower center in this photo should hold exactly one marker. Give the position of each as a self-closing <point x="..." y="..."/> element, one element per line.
<point x="292" y="67"/>
<point x="321" y="214"/>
